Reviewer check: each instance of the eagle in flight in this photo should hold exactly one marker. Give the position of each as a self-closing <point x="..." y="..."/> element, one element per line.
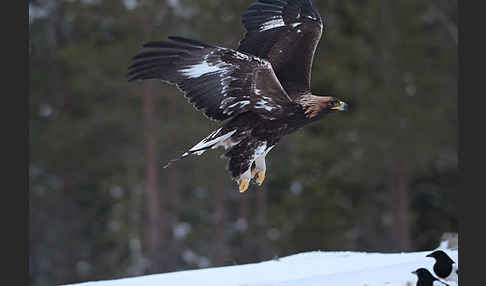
<point x="261" y="91"/>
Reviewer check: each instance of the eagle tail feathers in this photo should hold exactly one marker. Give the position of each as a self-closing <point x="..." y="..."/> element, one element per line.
<point x="212" y="141"/>
<point x="197" y="152"/>
<point x="177" y="159"/>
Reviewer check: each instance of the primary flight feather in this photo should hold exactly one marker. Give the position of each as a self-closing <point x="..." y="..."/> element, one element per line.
<point x="261" y="91"/>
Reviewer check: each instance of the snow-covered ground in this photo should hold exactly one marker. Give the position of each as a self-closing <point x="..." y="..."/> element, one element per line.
<point x="319" y="268"/>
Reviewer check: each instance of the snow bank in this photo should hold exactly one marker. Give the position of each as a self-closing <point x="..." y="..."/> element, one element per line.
<point x="317" y="268"/>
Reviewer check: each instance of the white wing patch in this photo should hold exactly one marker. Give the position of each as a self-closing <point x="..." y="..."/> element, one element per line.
<point x="241" y="103"/>
<point x="272" y="24"/>
<point x="201" y="69"/>
<point x="233" y="107"/>
<point x="262" y="104"/>
<point x="242" y="56"/>
<point x="222" y="69"/>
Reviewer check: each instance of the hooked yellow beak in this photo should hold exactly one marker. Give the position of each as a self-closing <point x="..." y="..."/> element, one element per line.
<point x="343" y="106"/>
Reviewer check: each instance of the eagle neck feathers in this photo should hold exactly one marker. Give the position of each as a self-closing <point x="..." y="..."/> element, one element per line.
<point x="312" y="104"/>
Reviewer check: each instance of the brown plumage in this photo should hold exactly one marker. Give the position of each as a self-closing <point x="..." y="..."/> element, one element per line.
<point x="313" y="105"/>
<point x="261" y="92"/>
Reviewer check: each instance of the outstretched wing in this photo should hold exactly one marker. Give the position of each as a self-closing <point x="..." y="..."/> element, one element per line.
<point x="218" y="81"/>
<point x="286" y="33"/>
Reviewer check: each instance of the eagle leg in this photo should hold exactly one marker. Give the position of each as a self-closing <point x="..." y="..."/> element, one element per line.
<point x="259" y="171"/>
<point x="260" y="178"/>
<point x="243" y="184"/>
<point x="253" y="173"/>
<point x="241" y="158"/>
<point x="244" y="181"/>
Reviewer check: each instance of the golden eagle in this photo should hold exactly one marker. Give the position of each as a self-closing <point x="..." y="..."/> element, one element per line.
<point x="261" y="91"/>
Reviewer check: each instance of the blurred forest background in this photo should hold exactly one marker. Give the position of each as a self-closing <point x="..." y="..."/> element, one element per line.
<point x="381" y="177"/>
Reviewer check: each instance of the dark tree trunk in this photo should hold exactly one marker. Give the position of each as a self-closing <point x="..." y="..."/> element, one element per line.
<point x="244" y="220"/>
<point x="399" y="186"/>
<point x="398" y="177"/>
<point x="171" y="203"/>
<point x="152" y="229"/>
<point x="261" y="222"/>
<point x="220" y="244"/>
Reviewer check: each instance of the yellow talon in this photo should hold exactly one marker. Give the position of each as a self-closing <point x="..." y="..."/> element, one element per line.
<point x="253" y="173"/>
<point x="260" y="178"/>
<point x="243" y="185"/>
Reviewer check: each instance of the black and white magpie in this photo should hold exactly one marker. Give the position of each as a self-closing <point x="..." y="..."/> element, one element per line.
<point x="425" y="278"/>
<point x="444" y="267"/>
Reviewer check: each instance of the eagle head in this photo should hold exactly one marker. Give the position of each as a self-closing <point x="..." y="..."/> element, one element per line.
<point x="337" y="105"/>
<point x="319" y="105"/>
